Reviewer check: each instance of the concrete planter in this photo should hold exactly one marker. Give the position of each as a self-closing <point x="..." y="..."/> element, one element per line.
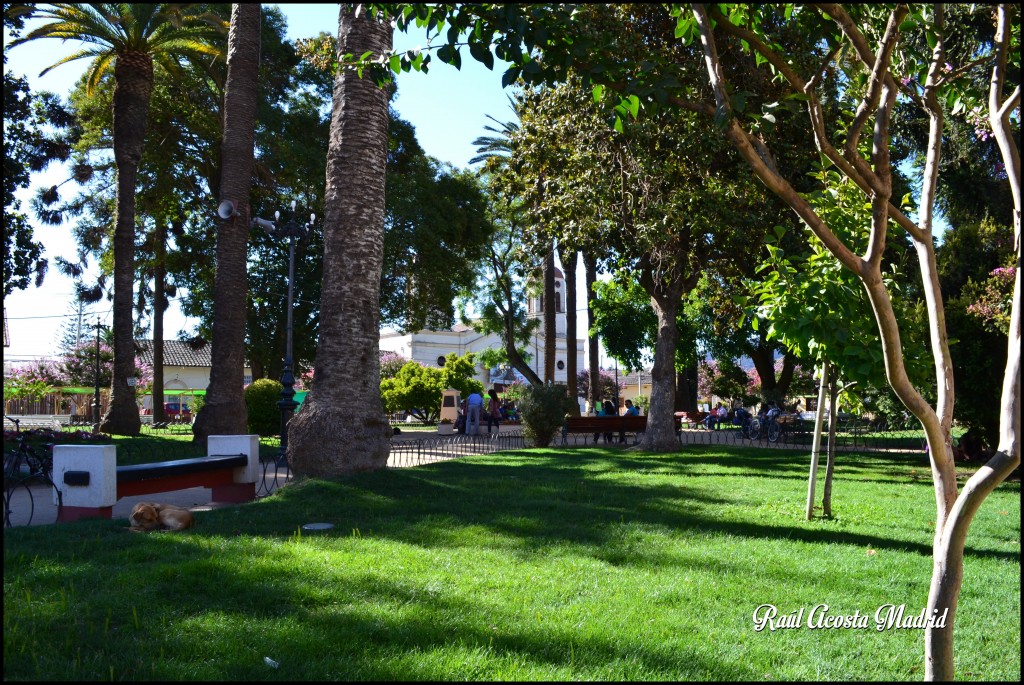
<point x="445" y="428"/>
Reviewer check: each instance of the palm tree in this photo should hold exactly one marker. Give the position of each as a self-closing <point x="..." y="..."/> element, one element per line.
<point x="495" y="151"/>
<point x="224" y="412"/>
<point x="341" y="427"/>
<point x="499" y="146"/>
<point x="127" y="37"/>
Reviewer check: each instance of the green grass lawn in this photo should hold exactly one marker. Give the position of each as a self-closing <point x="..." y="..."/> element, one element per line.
<point x="535" y="565"/>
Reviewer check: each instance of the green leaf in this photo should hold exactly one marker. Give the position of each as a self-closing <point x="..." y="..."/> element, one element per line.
<point x="509" y="77"/>
<point x="618" y="124"/>
<point x="481" y="53"/>
<point x="598" y="92"/>
<point x="633" y="105"/>
<point x="396" y="63"/>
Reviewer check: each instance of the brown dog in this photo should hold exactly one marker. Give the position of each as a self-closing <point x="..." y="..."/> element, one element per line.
<point x="146" y="516"/>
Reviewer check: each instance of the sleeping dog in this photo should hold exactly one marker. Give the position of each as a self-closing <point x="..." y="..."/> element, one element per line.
<point x="146" y="516"/>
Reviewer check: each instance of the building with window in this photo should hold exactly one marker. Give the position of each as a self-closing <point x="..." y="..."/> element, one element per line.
<point x="429" y="347"/>
<point x="187" y="367"/>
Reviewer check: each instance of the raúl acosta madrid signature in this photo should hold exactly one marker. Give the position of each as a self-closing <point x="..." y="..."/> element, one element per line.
<point x="885" y="617"/>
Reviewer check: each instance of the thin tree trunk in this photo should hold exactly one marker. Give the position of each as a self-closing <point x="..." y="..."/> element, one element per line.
<point x="342" y="428"/>
<point x="592" y="352"/>
<point x="224" y="412"/>
<point x="830" y="463"/>
<point x="569" y="260"/>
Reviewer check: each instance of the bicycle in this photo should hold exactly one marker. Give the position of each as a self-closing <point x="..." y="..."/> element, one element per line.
<point x="750" y="426"/>
<point x="24" y="466"/>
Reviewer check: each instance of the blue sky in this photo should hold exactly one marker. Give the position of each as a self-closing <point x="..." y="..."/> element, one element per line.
<point x="448" y="107"/>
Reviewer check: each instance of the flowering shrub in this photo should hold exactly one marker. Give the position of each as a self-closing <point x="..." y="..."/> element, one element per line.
<point x="22" y="385"/>
<point x="47" y="436"/>
<point x="74" y="368"/>
<point x="992" y="301"/>
<point x="391" y="363"/>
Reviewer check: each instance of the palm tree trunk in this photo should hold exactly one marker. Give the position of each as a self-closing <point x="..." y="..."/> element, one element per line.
<point x="592" y="352"/>
<point x="571" y="371"/>
<point x="159" y="305"/>
<point x="341" y="427"/>
<point x="224" y="412"/>
<point x="550" y="316"/>
<point x="133" y="78"/>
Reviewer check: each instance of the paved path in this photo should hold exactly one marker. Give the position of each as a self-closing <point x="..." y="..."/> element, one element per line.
<point x="45" y="509"/>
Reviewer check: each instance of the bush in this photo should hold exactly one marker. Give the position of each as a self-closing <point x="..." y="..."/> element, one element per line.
<point x="261" y="398"/>
<point x="542" y="411"/>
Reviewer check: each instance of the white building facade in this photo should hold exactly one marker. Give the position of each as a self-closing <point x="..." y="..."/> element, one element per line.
<point x="430" y="347"/>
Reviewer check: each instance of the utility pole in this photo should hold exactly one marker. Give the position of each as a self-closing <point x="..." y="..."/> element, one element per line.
<point x="78" y="333"/>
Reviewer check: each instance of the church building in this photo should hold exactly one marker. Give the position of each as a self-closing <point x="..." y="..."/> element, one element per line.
<point x="430" y="347"/>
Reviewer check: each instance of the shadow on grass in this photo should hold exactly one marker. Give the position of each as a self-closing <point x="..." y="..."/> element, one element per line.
<point x="235" y="580"/>
<point x="537" y="501"/>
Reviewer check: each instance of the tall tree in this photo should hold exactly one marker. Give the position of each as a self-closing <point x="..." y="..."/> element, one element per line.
<point x="127" y="36"/>
<point x="341" y="427"/>
<point x="500" y="299"/>
<point x="496" y="150"/>
<point x="24" y="151"/>
<point x="224" y="412"/>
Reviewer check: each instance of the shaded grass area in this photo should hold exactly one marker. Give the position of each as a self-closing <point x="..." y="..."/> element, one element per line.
<point x="535" y="565"/>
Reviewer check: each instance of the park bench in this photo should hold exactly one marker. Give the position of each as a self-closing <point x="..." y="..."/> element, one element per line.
<point x="28" y="421"/>
<point x="691" y="419"/>
<point x="90" y="481"/>
<point x="604" y="424"/>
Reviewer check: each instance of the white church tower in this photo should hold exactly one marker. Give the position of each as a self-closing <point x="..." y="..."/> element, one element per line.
<point x="535" y="305"/>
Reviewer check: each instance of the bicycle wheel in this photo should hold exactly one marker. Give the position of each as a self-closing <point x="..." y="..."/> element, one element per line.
<point x="774" y="431"/>
<point x="19" y="505"/>
<point x="754" y="432"/>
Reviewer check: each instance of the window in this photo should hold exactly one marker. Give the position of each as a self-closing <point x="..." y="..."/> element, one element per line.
<point x="440" y="361"/>
<point x="560" y="365"/>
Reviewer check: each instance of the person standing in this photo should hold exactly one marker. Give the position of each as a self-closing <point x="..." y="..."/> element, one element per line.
<point x="474" y="405"/>
<point x="493" y="411"/>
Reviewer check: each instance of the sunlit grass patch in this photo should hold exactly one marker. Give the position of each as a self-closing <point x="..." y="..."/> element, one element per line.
<point x="532" y="565"/>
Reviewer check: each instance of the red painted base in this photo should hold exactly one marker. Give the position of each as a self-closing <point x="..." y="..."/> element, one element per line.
<point x="236" y="492"/>
<point x="77" y="513"/>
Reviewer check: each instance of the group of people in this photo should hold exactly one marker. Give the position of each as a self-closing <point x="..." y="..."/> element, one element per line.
<point x="740" y="416"/>
<point x="476" y="408"/>
<point x="607" y="408"/>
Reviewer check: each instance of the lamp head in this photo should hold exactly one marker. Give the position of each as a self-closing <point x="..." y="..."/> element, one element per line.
<point x="227" y="209"/>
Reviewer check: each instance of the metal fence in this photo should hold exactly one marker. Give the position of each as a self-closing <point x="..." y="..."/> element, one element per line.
<point x="850" y="436"/>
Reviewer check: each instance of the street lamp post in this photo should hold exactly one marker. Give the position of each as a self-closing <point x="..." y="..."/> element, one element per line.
<point x="290" y="229"/>
<point x="96" y="397"/>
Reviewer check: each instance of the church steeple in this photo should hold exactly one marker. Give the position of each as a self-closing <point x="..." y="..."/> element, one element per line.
<point x="535" y="304"/>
